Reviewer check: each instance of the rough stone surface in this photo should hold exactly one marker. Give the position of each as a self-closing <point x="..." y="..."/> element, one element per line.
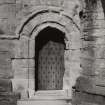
<point x="82" y="21"/>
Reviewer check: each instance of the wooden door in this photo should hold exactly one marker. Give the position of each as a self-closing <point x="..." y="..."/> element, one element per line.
<point x="51" y="66"/>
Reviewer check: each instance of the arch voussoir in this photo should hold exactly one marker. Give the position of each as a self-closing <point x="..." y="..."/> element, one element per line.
<point x="46" y="17"/>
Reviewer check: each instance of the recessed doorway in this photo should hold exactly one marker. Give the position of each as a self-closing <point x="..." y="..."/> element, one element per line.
<point x="49" y="59"/>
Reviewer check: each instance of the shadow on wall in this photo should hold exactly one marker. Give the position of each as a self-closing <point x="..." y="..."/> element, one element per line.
<point x="103" y="5"/>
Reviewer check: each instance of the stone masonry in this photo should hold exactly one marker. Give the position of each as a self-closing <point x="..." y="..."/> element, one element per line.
<point x="83" y="23"/>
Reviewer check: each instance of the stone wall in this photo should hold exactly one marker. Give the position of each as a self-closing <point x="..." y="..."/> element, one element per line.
<point x="83" y="23"/>
<point x="91" y="84"/>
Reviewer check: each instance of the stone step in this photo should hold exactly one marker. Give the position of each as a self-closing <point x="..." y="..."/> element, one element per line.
<point x="43" y="102"/>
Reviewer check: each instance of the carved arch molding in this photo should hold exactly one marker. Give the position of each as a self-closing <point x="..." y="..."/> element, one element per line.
<point x="33" y="25"/>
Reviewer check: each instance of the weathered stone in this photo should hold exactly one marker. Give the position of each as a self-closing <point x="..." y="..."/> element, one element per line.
<point x="7" y="10"/>
<point x="85" y="98"/>
<point x="72" y="55"/>
<point x="20" y="86"/>
<point x="5" y="85"/>
<point x="7" y="26"/>
<point x="5" y="65"/>
<point x="28" y="3"/>
<point x="88" y="67"/>
<point x="72" y="3"/>
<point x="31" y="48"/>
<point x="94" y="15"/>
<point x="23" y="63"/>
<point x="94" y="24"/>
<point x="7" y="46"/>
<point x="99" y="81"/>
<point x="8" y="98"/>
<point x="35" y="2"/>
<point x="75" y="40"/>
<point x="24" y="73"/>
<point x="21" y="48"/>
<point x="21" y="73"/>
<point x="32" y="84"/>
<point x="100" y="51"/>
<point x="93" y="41"/>
<point x="84" y="84"/>
<point x="99" y="64"/>
<point x="7" y="1"/>
<point x="43" y="101"/>
<point x="93" y="51"/>
<point x="52" y="3"/>
<point x="17" y="55"/>
<point x="88" y="52"/>
<point x="95" y="32"/>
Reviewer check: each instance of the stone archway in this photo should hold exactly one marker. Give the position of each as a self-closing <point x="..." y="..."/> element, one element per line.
<point x="26" y="44"/>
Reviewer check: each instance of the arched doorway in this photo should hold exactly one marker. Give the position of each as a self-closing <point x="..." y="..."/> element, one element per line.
<point x="49" y="59"/>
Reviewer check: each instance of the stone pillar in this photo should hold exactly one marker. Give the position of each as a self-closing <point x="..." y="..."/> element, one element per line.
<point x="92" y="80"/>
<point x="92" y="58"/>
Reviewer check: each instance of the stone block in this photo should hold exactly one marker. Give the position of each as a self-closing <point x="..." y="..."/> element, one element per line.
<point x="88" y="52"/>
<point x="58" y="3"/>
<point x="72" y="55"/>
<point x="7" y="1"/>
<point x="95" y="32"/>
<point x="99" y="90"/>
<point x="5" y="65"/>
<point x="72" y="72"/>
<point x="23" y="68"/>
<point x="7" y="46"/>
<point x="88" y="103"/>
<point x="7" y="98"/>
<point x="6" y="73"/>
<point x="94" y="24"/>
<point x="94" y="15"/>
<point x="87" y="66"/>
<point x="84" y="84"/>
<point x="7" y="26"/>
<point x="32" y="84"/>
<point x="20" y="86"/>
<point x="5" y="55"/>
<point x="51" y="17"/>
<point x="31" y="73"/>
<point x="100" y="52"/>
<point x="23" y="63"/>
<point x="7" y="10"/>
<point x="93" y="51"/>
<point x="99" y="81"/>
<point x="21" y="73"/>
<point x="70" y="4"/>
<point x="24" y="73"/>
<point x="5" y="85"/>
<point x="28" y="2"/>
<point x="24" y="8"/>
<point x="42" y="102"/>
<point x="7" y="49"/>
<point x="21" y="48"/>
<point x="32" y="49"/>
<point x="99" y="64"/>
<point x="35" y="2"/>
<point x="75" y="40"/>
<point x="92" y="41"/>
<point x="100" y="40"/>
<point x="88" y="99"/>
